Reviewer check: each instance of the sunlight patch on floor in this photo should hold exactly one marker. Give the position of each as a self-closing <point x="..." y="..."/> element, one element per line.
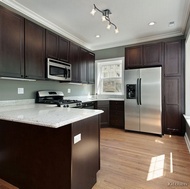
<point x="156" y="168"/>
<point x="171" y="162"/>
<point x="158" y="141"/>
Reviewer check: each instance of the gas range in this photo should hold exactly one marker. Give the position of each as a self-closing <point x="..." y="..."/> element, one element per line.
<point x="70" y="104"/>
<point x="56" y="97"/>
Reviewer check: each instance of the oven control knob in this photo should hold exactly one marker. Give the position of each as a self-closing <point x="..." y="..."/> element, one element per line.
<point x="64" y="106"/>
<point x="67" y="105"/>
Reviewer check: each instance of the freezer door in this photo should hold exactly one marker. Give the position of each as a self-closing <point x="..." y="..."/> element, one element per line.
<point x="150" y="108"/>
<point x="131" y="107"/>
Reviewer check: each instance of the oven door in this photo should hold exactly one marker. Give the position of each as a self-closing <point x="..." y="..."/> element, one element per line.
<point x="88" y="105"/>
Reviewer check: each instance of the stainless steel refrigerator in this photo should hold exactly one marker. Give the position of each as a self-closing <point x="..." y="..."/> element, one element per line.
<point x="143" y="102"/>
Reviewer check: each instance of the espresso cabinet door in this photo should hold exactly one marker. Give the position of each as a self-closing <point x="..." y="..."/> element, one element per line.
<point x="83" y="65"/>
<point x="34" y="51"/>
<point x="11" y="44"/>
<point x="63" y="54"/>
<point x="74" y="61"/>
<point x="133" y="57"/>
<point x="173" y="105"/>
<point x="152" y="54"/>
<point x="104" y="105"/>
<point x="51" y="45"/>
<point x="117" y="114"/>
<point x="174" y="87"/>
<point x="85" y="153"/>
<point x="91" y="68"/>
<point x="173" y="59"/>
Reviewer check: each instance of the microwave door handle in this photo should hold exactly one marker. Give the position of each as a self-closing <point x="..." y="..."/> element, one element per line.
<point x="68" y="73"/>
<point x="65" y="73"/>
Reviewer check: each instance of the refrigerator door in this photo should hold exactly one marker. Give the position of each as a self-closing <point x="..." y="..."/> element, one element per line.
<point x="150" y="108"/>
<point x="131" y="108"/>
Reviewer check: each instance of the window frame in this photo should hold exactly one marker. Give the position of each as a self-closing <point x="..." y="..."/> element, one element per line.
<point x="98" y="64"/>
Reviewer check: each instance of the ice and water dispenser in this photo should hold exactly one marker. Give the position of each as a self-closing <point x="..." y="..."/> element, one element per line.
<point x="131" y="91"/>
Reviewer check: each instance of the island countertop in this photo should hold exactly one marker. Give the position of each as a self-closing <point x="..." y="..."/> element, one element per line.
<point x="45" y="115"/>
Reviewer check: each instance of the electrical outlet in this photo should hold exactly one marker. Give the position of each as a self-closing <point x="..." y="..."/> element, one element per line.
<point x="20" y="90"/>
<point x="69" y="90"/>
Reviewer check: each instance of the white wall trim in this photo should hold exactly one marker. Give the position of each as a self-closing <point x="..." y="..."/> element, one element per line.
<point x="187" y="141"/>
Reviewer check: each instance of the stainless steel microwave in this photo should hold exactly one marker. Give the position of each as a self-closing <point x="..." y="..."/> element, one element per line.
<point x="58" y="70"/>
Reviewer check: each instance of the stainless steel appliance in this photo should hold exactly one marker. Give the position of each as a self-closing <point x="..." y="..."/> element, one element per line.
<point x="56" y="97"/>
<point x="89" y="105"/>
<point x="58" y="70"/>
<point x="143" y="103"/>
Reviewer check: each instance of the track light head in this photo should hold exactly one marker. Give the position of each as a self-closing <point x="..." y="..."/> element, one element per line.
<point x="105" y="17"/>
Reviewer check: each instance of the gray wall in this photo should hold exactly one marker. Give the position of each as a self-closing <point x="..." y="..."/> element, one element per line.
<point x="8" y="89"/>
<point x="110" y="53"/>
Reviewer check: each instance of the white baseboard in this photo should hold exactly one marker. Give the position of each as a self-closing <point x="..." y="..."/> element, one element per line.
<point x="187" y="141"/>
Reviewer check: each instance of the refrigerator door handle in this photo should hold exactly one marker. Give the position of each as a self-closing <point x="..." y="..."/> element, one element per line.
<point x="137" y="91"/>
<point x="140" y="103"/>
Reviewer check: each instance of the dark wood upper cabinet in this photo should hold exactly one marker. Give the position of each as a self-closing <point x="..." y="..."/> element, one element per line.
<point x="152" y="54"/>
<point x="91" y="68"/>
<point x="133" y="57"/>
<point x="173" y="59"/>
<point x="51" y="45"/>
<point x="63" y="54"/>
<point x="144" y="55"/>
<point x="83" y="65"/>
<point x="74" y="61"/>
<point x="11" y="44"/>
<point x="57" y="47"/>
<point x="34" y="51"/>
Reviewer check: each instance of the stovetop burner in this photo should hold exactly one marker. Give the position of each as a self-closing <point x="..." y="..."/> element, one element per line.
<point x="69" y="104"/>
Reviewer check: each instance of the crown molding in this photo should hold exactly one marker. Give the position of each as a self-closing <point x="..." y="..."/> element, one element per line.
<point x="136" y="41"/>
<point x="18" y="8"/>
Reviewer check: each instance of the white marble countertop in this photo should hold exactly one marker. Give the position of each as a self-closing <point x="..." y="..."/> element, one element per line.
<point x="94" y="98"/>
<point x="45" y="115"/>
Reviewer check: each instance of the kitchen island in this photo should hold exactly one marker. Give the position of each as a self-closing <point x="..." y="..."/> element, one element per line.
<point x="46" y="147"/>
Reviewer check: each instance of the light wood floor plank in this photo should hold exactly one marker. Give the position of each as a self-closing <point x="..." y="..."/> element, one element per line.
<point x="139" y="161"/>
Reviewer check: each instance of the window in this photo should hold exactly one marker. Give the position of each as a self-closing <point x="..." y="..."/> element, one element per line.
<point x="109" y="76"/>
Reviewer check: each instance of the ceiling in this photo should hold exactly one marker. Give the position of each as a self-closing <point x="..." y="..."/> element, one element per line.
<point x="72" y="19"/>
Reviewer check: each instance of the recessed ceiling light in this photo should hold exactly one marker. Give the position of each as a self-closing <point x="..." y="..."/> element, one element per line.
<point x="171" y="24"/>
<point x="152" y="23"/>
<point x="97" y="36"/>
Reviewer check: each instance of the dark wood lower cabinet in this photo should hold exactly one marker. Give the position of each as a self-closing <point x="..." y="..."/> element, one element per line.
<point x="113" y="115"/>
<point x="85" y="154"/>
<point x="117" y="114"/>
<point x="36" y="157"/>
<point x="104" y="105"/>
<point x="174" y="103"/>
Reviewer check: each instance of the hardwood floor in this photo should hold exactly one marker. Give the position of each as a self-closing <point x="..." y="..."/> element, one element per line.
<point x="140" y="161"/>
<point x="6" y="185"/>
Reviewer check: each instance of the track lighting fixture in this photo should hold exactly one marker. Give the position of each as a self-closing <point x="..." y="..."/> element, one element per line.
<point x="105" y="17"/>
